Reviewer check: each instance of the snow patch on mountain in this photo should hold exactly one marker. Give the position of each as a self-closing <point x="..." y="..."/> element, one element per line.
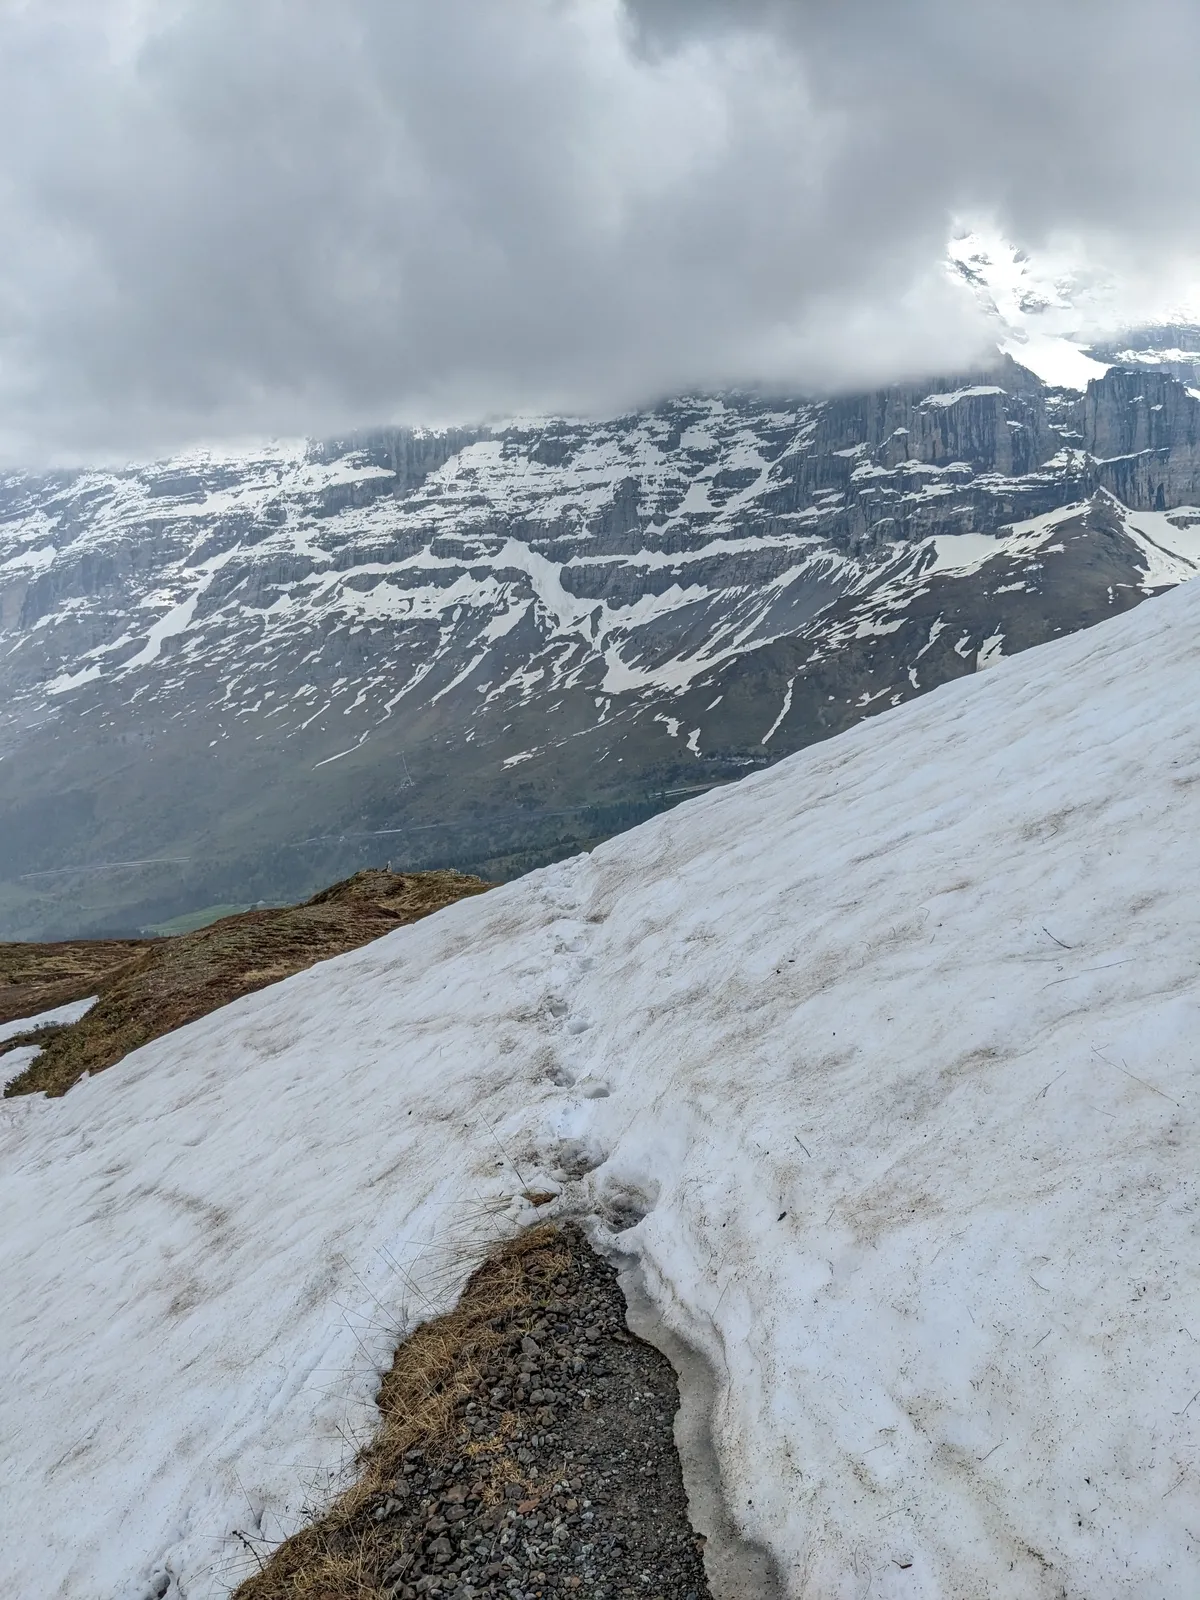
<point x="1170" y="541"/>
<point x="71" y="1012"/>
<point x="961" y="394"/>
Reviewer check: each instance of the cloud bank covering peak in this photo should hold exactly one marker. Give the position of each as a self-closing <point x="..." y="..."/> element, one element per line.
<point x="292" y="216"/>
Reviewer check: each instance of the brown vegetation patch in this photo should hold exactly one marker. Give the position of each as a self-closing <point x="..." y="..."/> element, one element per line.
<point x="525" y="1451"/>
<point x="150" y="988"/>
<point x="41" y="977"/>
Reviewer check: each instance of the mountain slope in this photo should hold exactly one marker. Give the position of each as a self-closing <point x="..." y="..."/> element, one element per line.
<point x="882" y="1066"/>
<point x="148" y="990"/>
<point x="230" y="680"/>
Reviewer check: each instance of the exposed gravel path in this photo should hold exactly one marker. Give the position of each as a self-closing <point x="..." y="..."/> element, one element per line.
<point x="556" y="1474"/>
<point x="587" y="1497"/>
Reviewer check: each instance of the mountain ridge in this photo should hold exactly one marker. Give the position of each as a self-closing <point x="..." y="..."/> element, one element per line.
<point x="233" y="678"/>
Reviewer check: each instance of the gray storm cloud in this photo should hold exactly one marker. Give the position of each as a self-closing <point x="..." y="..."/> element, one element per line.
<point x="225" y="217"/>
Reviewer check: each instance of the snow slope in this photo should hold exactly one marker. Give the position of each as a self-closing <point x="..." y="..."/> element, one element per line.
<point x="892" y="1048"/>
<point x="1068" y="319"/>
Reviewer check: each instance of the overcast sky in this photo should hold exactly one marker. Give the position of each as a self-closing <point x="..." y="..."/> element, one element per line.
<point x="232" y="217"/>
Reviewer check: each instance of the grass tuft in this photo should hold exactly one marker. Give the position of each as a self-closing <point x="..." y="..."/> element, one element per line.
<point x="341" y="1555"/>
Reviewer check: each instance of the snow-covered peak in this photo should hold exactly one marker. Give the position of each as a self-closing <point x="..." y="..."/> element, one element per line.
<point x="1041" y="308"/>
<point x="1068" y="319"/>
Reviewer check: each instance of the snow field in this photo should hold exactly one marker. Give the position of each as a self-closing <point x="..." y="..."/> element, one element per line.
<point x="892" y="1049"/>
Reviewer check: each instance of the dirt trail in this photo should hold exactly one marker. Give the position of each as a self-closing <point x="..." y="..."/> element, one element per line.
<point x="526" y="1451"/>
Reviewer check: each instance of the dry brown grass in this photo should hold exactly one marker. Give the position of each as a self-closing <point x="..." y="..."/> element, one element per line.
<point x="341" y="1555"/>
<point x="39" y="977"/>
<point x="150" y="988"/>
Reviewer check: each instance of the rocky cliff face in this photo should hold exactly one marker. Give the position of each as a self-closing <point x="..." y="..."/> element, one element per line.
<point x="1143" y="429"/>
<point x="226" y="678"/>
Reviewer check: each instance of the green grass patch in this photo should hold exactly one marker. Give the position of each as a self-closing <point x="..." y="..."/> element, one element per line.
<point x="190" y="921"/>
